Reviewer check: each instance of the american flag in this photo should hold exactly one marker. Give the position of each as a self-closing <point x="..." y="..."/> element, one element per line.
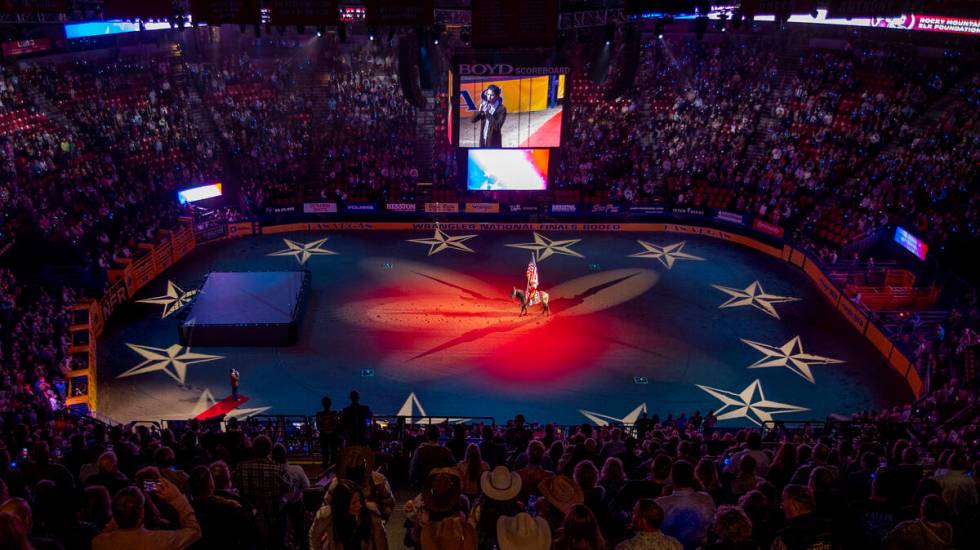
<point x="532" y="273"/>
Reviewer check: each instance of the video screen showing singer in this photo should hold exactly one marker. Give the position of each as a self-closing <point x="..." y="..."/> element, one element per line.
<point x="492" y="113"/>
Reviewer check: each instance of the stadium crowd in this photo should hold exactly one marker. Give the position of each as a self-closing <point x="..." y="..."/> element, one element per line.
<point x="677" y="482"/>
<point x="92" y="152"/>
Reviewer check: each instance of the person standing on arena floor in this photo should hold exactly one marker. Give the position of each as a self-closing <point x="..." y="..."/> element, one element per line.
<point x="234" y="378"/>
<point x="355" y="420"/>
<point x="328" y="425"/>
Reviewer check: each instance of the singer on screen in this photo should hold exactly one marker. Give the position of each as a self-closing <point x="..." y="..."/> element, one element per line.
<point x="493" y="114"/>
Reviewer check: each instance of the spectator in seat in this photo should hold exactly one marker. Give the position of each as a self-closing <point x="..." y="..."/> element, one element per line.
<point x="224" y="523"/>
<point x="687" y="513"/>
<point x="265" y="484"/>
<point x="471" y="469"/>
<point x="428" y="456"/>
<point x="492" y="448"/>
<point x="929" y="532"/>
<point x="457" y="443"/>
<point x="221" y="476"/>
<point x="645" y="523"/>
<point x="22" y="511"/>
<point x="127" y="531"/>
<point x="97" y="506"/>
<point x="559" y="494"/>
<point x="41" y="467"/>
<point x="859" y="482"/>
<point x="109" y="475"/>
<point x="298" y="482"/>
<point x="164" y="459"/>
<point x="345" y="523"/>
<point x="733" y="529"/>
<point x="651" y="486"/>
<point x="907" y="476"/>
<point x="959" y="489"/>
<point x="13" y="533"/>
<point x="500" y="489"/>
<point x="587" y="477"/>
<point x="579" y="531"/>
<point x="534" y="472"/>
<point x="748" y="478"/>
<point x="803" y="528"/>
<point x="753" y="444"/>
<point x="523" y="532"/>
<point x="357" y="465"/>
<point x="756" y="506"/>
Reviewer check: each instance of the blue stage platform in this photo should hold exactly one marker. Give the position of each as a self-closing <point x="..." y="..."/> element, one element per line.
<point x="249" y="308"/>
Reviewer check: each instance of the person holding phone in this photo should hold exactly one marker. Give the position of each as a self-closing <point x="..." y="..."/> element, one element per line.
<point x="126" y="529"/>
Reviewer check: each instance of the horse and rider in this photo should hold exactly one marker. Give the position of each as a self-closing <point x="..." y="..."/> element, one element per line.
<point x="531" y="295"/>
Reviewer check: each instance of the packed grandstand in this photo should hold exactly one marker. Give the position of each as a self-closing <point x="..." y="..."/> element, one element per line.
<point x="826" y="139"/>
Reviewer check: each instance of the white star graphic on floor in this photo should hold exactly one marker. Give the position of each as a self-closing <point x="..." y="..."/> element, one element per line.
<point x="174" y="299"/>
<point x="605" y="420"/>
<point x="159" y="359"/>
<point x="791" y="356"/>
<point x="544" y="247"/>
<point x="743" y="405"/>
<point x="442" y="241"/>
<point x="666" y="255"/>
<point x="753" y="295"/>
<point x="303" y="251"/>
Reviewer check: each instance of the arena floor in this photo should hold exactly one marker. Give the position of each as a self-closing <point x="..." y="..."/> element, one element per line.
<point x="633" y="323"/>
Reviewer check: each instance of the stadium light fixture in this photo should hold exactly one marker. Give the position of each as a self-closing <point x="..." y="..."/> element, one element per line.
<point x="371" y="37"/>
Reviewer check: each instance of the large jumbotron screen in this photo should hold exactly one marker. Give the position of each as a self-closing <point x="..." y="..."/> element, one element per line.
<point x="528" y="108"/>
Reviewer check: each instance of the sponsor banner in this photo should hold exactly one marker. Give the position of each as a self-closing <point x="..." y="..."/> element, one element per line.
<point x="361" y="207"/>
<point x="280" y="209"/>
<point x="853" y="314"/>
<point x="824" y="285"/>
<point x="730" y="217"/>
<point x="523" y="208"/>
<point x="115" y="295"/>
<point x="797" y="258"/>
<point x="320" y="208"/>
<point x="688" y="211"/>
<point x="400" y="207"/>
<point x="210" y="232"/>
<point x="442" y="207"/>
<point x="649" y="209"/>
<point x="482" y="208"/>
<point x="880" y="341"/>
<point x="241" y="229"/>
<point x="768" y="228"/>
<point x="606" y="209"/>
<point x="564" y="208"/>
<point x="14" y="48"/>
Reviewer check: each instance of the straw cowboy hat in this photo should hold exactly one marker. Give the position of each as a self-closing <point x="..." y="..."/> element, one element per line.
<point x="444" y="489"/>
<point x="500" y="484"/>
<point x="522" y="532"/>
<point x="562" y="492"/>
<point x="449" y="534"/>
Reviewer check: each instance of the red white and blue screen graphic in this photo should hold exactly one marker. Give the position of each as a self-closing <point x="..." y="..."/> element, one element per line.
<point x="507" y="169"/>
<point x="911" y="243"/>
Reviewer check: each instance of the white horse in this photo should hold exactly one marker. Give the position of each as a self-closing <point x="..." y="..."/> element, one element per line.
<point x="540" y="297"/>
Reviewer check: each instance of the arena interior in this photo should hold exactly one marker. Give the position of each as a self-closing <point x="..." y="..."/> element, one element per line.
<point x="489" y="274"/>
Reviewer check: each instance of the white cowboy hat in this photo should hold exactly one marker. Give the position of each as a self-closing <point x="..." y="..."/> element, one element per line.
<point x="522" y="532"/>
<point x="500" y="484"/>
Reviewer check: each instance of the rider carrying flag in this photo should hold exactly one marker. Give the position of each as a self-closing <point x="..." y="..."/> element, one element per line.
<point x="531" y="291"/>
